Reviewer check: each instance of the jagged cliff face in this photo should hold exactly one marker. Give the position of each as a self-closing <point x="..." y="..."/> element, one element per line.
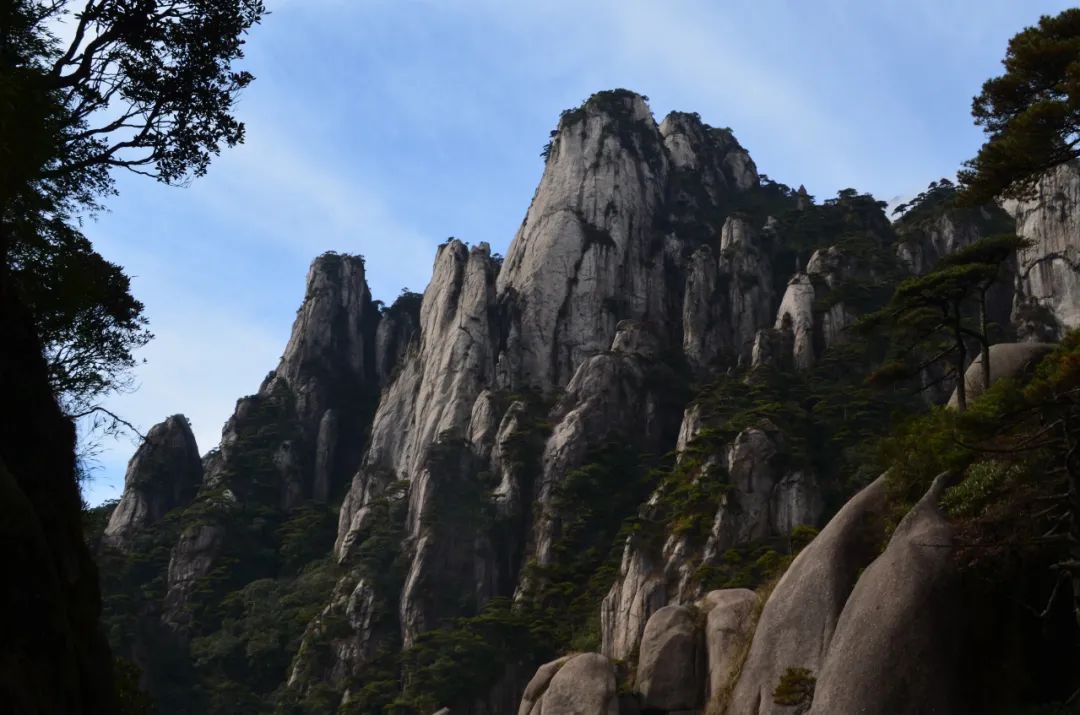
<point x="1049" y="270"/>
<point x="728" y="297"/>
<point x="602" y="281"/>
<point x="559" y="435"/>
<point x="293" y="441"/>
<point x="587" y="254"/>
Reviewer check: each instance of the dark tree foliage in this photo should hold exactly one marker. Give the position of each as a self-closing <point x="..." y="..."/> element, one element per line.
<point x="938" y="194"/>
<point x="86" y="317"/>
<point x="1031" y="113"/>
<point x="924" y="309"/>
<point x="144" y="85"/>
<point x="991" y="254"/>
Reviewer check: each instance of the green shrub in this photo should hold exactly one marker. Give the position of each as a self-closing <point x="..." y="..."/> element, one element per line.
<point x="796" y="688"/>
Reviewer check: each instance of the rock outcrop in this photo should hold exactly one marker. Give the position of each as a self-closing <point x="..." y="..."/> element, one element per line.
<point x="164" y="474"/>
<point x="795" y="320"/>
<point x="578" y="685"/>
<point x="821" y="303"/>
<point x="671" y="662"/>
<point x="764" y="499"/>
<point x="729" y="626"/>
<point x="612" y="395"/>
<point x="800" y="616"/>
<point x="431" y="402"/>
<point x="1012" y="360"/>
<point x="398" y="327"/>
<point x="466" y="433"/>
<point x="923" y="241"/>
<point x="729" y="297"/>
<point x="896" y="644"/>
<point x="586" y="302"/>
<point x="585" y="256"/>
<point x="1049" y="271"/>
<point x="296" y="438"/>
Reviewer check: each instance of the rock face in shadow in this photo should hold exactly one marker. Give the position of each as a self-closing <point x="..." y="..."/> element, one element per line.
<point x="164" y="474"/>
<point x="800" y="616"/>
<point x="329" y="369"/>
<point x="896" y="644"/>
<point x="54" y="656"/>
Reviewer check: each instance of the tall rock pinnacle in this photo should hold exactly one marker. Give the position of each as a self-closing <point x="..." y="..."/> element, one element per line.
<point x="164" y="474"/>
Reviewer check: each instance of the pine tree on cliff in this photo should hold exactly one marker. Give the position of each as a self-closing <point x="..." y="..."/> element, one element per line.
<point x="1031" y="113"/>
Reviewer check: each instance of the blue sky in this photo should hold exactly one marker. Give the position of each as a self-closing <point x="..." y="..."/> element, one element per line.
<point x="382" y="127"/>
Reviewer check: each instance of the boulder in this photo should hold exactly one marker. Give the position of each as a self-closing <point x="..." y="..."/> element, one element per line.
<point x="671" y="672"/>
<point x="1006" y="360"/>
<point x="729" y="626"/>
<point x="578" y="685"/>
<point x="534" y="691"/>
<point x="895" y="649"/>
<point x="799" y="618"/>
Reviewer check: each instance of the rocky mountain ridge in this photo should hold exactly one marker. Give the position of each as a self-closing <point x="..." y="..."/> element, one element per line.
<point x="556" y="446"/>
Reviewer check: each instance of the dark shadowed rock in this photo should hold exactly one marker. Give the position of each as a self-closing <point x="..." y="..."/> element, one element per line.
<point x="165" y="473"/>
<point x="399" y="326"/>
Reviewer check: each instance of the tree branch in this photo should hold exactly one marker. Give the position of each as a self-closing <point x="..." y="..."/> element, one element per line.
<point x="113" y="416"/>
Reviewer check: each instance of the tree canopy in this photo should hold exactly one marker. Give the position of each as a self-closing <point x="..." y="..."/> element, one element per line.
<point x="1031" y="113"/>
<point x="142" y="85"/>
